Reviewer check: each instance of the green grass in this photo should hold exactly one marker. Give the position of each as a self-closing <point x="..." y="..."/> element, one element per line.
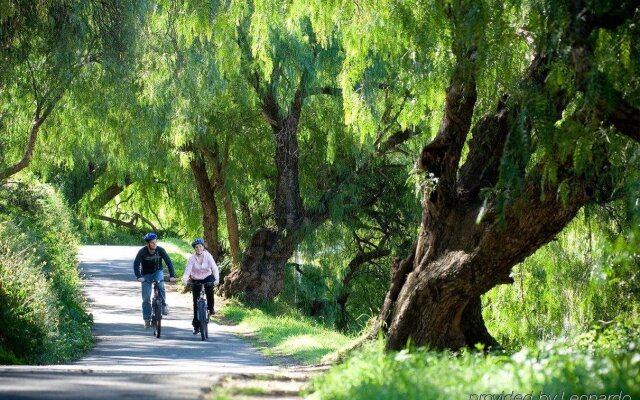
<point x="553" y="369"/>
<point x="286" y="332"/>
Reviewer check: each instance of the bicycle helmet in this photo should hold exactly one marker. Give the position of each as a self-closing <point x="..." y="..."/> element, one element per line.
<point x="196" y="242"/>
<point x="150" y="236"/>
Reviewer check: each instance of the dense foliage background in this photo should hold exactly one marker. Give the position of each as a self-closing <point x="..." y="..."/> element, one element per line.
<point x="309" y="124"/>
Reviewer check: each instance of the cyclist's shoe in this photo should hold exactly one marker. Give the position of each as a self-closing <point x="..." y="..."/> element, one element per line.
<point x="196" y="330"/>
<point x="147" y="323"/>
<point x="165" y="309"/>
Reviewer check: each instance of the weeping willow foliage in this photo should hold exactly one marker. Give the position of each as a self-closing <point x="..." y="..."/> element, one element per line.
<point x="194" y="75"/>
<point x="584" y="284"/>
<point x="46" y="47"/>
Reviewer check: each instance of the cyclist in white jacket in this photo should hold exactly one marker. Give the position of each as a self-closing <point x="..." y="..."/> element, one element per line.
<point x="201" y="268"/>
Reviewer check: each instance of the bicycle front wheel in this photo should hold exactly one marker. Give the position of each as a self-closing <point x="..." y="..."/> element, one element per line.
<point x="202" y="320"/>
<point x="157" y="326"/>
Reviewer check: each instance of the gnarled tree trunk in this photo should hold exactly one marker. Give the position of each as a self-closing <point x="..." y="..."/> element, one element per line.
<point x="218" y="170"/>
<point x="435" y="293"/>
<point x="207" y="197"/>
<point x="467" y="245"/>
<point x="261" y="273"/>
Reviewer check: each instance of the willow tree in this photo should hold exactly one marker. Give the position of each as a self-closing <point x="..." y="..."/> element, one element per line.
<point x="190" y="75"/>
<point x="44" y="47"/>
<point x="295" y="77"/>
<point x="539" y="117"/>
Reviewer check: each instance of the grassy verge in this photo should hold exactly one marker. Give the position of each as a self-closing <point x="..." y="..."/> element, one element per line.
<point x="553" y="370"/>
<point x="285" y="332"/>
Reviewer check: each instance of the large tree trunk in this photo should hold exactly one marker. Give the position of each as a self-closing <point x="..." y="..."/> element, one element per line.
<point x="467" y="243"/>
<point x="261" y="273"/>
<point x="218" y="170"/>
<point x="233" y="231"/>
<point x="435" y="294"/>
<point x="206" y="194"/>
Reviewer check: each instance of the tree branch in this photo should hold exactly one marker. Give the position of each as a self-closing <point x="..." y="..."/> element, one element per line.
<point x="621" y="114"/>
<point x="441" y="157"/>
<point x="395" y="140"/>
<point x="129" y="225"/>
<point x="110" y="193"/>
<point x="28" y="151"/>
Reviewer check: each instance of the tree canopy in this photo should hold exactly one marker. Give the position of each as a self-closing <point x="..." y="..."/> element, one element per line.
<point x="455" y="137"/>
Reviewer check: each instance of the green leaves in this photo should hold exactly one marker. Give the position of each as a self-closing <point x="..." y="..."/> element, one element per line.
<point x="43" y="318"/>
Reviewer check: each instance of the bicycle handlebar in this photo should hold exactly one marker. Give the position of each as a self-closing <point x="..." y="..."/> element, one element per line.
<point x="206" y="284"/>
<point x="168" y="280"/>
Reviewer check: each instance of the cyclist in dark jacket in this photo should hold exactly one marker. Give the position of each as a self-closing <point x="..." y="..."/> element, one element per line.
<point x="148" y="267"/>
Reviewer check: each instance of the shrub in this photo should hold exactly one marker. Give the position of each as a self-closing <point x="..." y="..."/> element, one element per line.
<point x="43" y="316"/>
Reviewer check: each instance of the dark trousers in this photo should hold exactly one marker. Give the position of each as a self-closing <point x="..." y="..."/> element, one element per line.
<point x="208" y="291"/>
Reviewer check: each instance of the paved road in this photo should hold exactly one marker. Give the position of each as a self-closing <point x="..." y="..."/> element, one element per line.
<point x="128" y="362"/>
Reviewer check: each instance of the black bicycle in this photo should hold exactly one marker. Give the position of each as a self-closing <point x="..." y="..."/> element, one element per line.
<point x="156" y="311"/>
<point x="201" y="310"/>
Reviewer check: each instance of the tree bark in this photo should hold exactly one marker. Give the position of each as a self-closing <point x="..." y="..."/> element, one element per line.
<point x="109" y="194"/>
<point x="289" y="211"/>
<point x="28" y="151"/>
<point x="261" y="273"/>
<point x="233" y="230"/>
<point x="206" y="194"/>
<point x="465" y="246"/>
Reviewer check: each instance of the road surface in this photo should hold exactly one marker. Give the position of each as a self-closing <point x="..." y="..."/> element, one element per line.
<point x="128" y="362"/>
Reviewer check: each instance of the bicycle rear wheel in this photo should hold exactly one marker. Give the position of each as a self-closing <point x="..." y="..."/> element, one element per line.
<point x="157" y="326"/>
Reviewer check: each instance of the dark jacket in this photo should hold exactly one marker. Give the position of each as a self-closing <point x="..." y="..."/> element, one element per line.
<point x="151" y="262"/>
